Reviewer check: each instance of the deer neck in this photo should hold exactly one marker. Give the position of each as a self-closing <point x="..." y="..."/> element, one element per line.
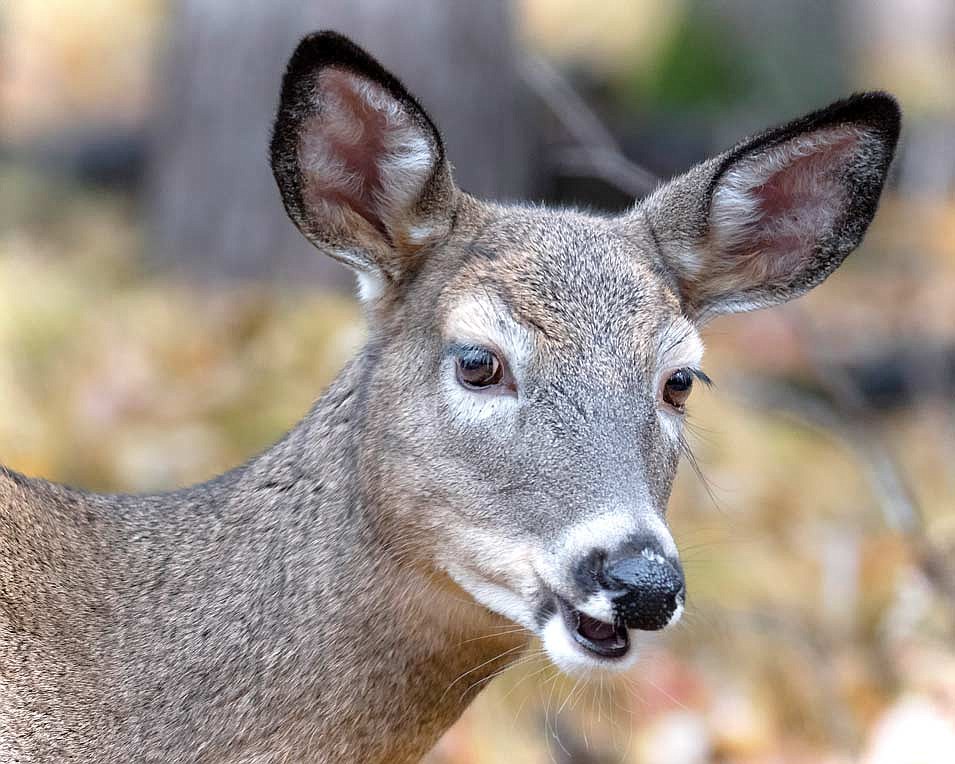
<point x="327" y="642"/>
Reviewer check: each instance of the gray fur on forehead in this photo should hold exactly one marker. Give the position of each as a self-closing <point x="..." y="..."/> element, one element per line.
<point x="564" y="272"/>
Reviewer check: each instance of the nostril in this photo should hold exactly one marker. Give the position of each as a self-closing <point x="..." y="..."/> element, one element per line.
<point x="589" y="574"/>
<point x="650" y="590"/>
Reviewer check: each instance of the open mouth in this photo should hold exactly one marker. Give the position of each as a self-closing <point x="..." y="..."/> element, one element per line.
<point x="606" y="640"/>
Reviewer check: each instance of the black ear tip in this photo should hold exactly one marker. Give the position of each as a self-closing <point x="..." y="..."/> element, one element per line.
<point x="328" y="47"/>
<point x="875" y="108"/>
<point x="320" y="50"/>
<point x="881" y="104"/>
<point x="326" y="42"/>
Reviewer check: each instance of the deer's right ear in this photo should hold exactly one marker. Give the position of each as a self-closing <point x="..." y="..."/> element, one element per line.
<point x="776" y="214"/>
<point x="360" y="165"/>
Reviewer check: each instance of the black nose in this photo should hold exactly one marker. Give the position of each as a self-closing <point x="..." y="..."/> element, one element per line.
<point x="645" y="588"/>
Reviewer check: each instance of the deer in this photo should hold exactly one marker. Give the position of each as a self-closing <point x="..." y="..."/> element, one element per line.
<point x="493" y="466"/>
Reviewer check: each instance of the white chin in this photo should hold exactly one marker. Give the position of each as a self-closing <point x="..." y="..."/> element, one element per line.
<point x="574" y="659"/>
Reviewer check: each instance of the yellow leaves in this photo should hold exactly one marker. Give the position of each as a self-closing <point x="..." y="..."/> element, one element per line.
<point x="65" y="60"/>
<point x="609" y="35"/>
<point x="133" y="385"/>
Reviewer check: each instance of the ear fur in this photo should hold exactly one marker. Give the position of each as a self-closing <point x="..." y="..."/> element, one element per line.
<point x="360" y="165"/>
<point x="772" y="217"/>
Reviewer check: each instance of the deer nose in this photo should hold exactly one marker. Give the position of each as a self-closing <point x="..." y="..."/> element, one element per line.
<point x="645" y="588"/>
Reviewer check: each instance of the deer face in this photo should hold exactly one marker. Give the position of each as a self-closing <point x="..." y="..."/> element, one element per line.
<point x="549" y="420"/>
<point x="528" y="370"/>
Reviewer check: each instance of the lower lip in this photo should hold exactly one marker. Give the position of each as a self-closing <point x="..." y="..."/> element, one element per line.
<point x="607" y="649"/>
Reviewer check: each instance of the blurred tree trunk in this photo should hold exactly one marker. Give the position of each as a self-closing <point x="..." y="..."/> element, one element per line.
<point x="214" y="207"/>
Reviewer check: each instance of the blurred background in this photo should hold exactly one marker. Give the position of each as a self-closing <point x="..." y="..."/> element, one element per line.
<point x="161" y="320"/>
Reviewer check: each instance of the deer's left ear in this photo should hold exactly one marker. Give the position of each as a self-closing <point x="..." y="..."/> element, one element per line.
<point x="360" y="165"/>
<point x="772" y="217"/>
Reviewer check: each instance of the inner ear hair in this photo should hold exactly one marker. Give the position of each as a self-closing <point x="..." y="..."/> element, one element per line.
<point x="773" y="216"/>
<point x="768" y="209"/>
<point x="360" y="165"/>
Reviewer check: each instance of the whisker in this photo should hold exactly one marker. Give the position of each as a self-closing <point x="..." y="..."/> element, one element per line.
<point x="691" y="458"/>
<point x="479" y="666"/>
<point x="496" y="635"/>
<point x="520" y="661"/>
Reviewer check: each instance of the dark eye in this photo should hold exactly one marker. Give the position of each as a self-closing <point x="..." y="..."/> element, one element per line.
<point x="677" y="389"/>
<point x="478" y="368"/>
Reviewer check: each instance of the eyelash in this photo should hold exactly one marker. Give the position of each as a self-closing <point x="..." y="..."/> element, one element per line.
<point x="700" y="375"/>
<point x="462" y="350"/>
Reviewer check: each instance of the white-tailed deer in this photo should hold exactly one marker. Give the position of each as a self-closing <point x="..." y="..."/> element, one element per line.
<point x="500" y="452"/>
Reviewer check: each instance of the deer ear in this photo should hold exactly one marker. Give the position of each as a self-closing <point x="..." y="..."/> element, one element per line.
<point x="360" y="166"/>
<point x="774" y="216"/>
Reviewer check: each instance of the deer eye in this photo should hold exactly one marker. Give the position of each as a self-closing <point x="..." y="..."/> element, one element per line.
<point x="478" y="368"/>
<point x="677" y="389"/>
